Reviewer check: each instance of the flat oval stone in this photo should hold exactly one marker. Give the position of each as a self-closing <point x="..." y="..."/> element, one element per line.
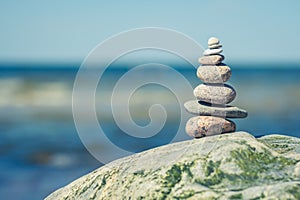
<point x="211" y="60"/>
<point x="213" y="40"/>
<point x="215" y="46"/>
<point x="201" y="108"/>
<point x="214" y="73"/>
<point x="201" y="126"/>
<point x="215" y="94"/>
<point x="209" y="52"/>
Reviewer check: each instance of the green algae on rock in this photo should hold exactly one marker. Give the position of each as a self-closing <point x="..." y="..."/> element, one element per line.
<point x="227" y="166"/>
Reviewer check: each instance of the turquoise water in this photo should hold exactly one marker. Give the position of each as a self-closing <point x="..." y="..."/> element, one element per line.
<point x="41" y="151"/>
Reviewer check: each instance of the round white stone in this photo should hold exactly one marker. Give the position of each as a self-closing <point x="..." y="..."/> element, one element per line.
<point x="209" y="52"/>
<point x="213" y="40"/>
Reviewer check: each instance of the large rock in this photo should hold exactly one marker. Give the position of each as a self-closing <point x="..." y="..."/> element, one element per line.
<point x="227" y="166"/>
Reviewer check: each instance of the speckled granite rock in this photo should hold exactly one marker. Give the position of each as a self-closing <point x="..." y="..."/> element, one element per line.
<point x="211" y="60"/>
<point x="214" y="73"/>
<point x="201" y="126"/>
<point x="227" y="166"/>
<point x="215" y="94"/>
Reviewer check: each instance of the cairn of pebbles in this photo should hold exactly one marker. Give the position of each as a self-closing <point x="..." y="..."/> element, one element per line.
<point x="212" y="96"/>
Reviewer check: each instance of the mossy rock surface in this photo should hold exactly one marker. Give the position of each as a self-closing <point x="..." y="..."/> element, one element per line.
<point x="228" y="166"/>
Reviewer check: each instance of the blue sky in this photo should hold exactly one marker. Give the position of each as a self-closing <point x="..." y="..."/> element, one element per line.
<point x="65" y="31"/>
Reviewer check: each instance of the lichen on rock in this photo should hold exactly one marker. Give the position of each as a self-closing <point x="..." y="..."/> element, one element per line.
<point x="228" y="166"/>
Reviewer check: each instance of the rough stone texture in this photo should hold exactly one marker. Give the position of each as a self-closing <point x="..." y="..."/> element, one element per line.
<point x="211" y="60"/>
<point x="227" y="166"/>
<point x="201" y="126"/>
<point x="288" y="146"/>
<point x="215" y="94"/>
<point x="213" y="40"/>
<point x="214" y="46"/>
<point x="208" y="52"/>
<point x="200" y="108"/>
<point x="214" y="73"/>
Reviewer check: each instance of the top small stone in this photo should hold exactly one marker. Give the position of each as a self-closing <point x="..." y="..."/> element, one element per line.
<point x="212" y="41"/>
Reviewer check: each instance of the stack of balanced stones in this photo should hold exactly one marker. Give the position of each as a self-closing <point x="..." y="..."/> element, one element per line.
<point x="212" y="96"/>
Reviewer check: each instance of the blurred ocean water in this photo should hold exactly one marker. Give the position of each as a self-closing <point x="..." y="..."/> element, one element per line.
<point x="41" y="151"/>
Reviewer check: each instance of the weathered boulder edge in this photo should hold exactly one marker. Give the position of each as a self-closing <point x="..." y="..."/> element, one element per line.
<point x="227" y="166"/>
